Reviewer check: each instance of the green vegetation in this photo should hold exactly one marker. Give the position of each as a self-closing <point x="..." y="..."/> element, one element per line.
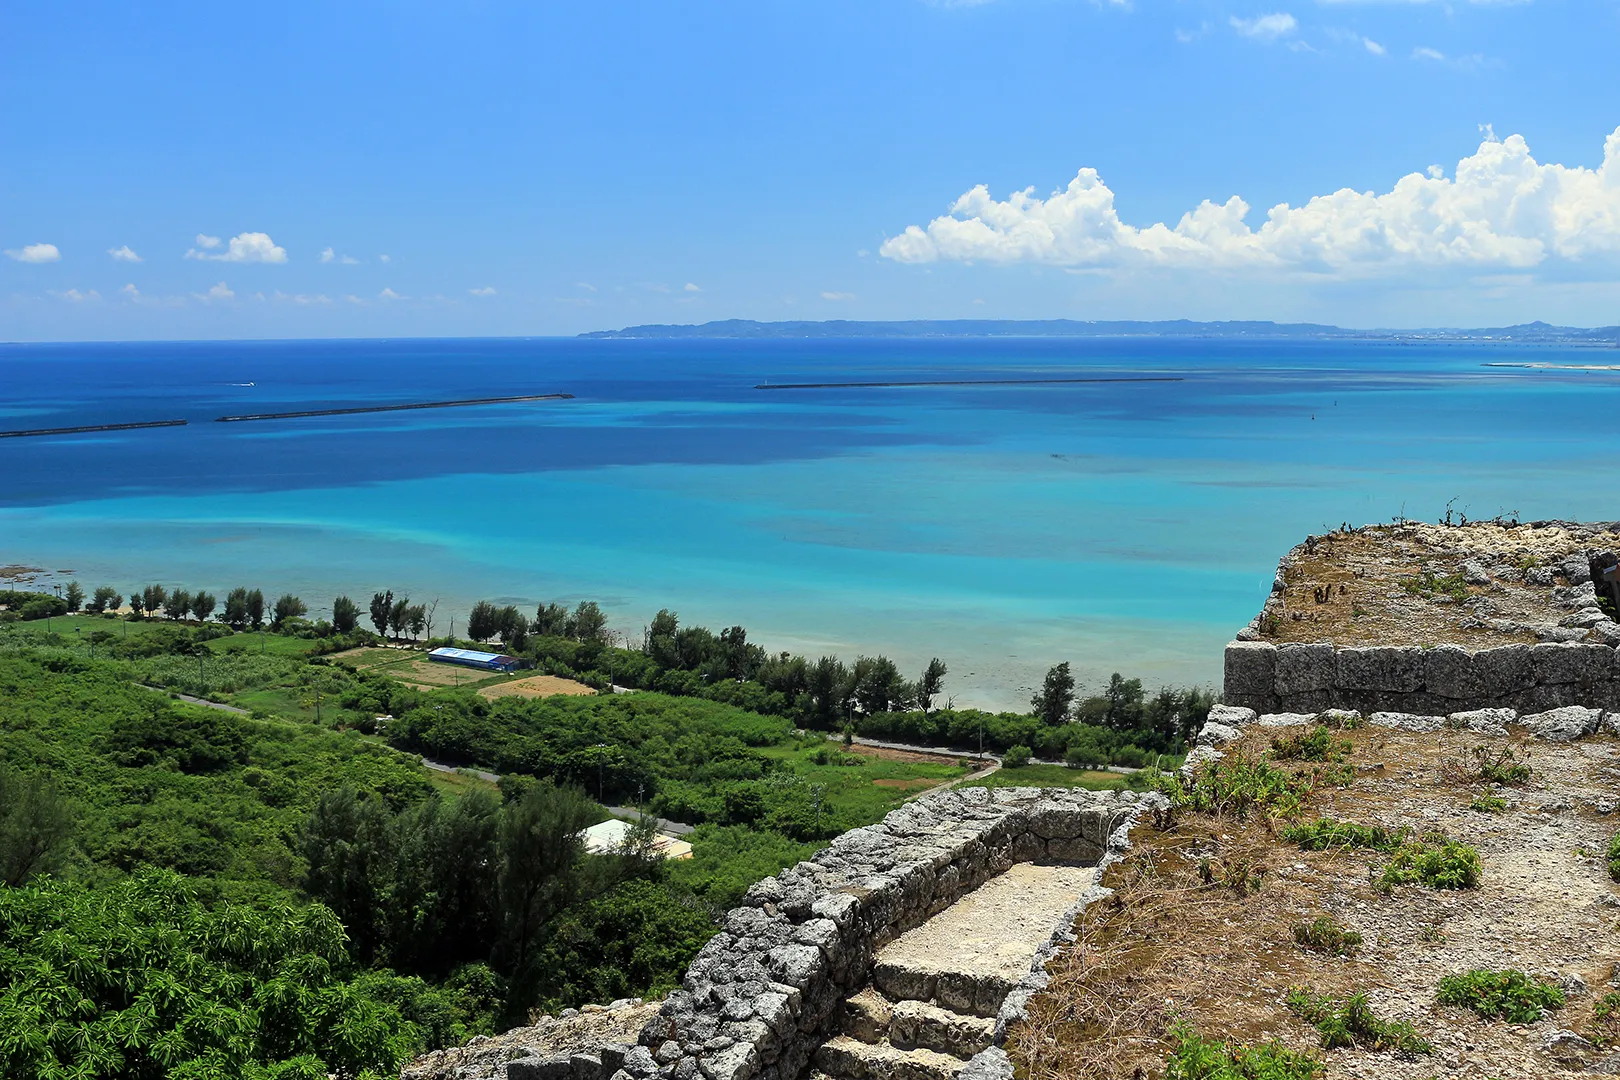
<point x="1435" y="862"/>
<point x="1317" y="745"/>
<point x="1428" y="585"/>
<point x="1325" y="936"/>
<point x="1017" y="756"/>
<point x="1352" y="1023"/>
<point x="1605" y="1027"/>
<point x="1489" y="804"/>
<point x="1196" y="1058"/>
<point x="1062" y="776"/>
<point x="1483" y="765"/>
<point x="1500" y="995"/>
<point x="1238" y="786"/>
<point x="1325" y="834"/>
<point x="1612" y="854"/>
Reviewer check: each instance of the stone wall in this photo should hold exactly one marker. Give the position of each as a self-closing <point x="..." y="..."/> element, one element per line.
<point x="766" y="991"/>
<point x="1307" y="678"/>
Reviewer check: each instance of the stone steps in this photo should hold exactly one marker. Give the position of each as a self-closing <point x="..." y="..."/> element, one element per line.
<point x="846" y="1058"/>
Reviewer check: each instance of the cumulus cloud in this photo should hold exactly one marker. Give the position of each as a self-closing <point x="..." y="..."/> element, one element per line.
<point x="328" y="255"/>
<point x="221" y="291"/>
<point x="206" y="241"/>
<point x="75" y="296"/>
<point x="301" y="298"/>
<point x="1266" y="27"/>
<point x="35" y="253"/>
<point x="1502" y="209"/>
<point x="486" y="290"/>
<point x="1373" y="46"/>
<point x="124" y="254"/>
<point x="689" y="287"/>
<point x="389" y="294"/>
<point x="384" y="259"/>
<point x="131" y="291"/>
<point x="836" y="296"/>
<point x="248" y="247"/>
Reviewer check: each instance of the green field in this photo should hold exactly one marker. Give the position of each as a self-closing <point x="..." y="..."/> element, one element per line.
<point x="1051" y="776"/>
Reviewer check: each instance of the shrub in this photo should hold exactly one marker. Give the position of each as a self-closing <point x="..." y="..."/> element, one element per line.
<point x="1480" y="764"/>
<point x="1327" y="937"/>
<point x="1488" y="804"/>
<point x="1237" y="785"/>
<point x="1196" y="1058"/>
<point x="1613" y="855"/>
<point x="1427" y="585"/>
<point x="1437" y="863"/>
<point x="1017" y="757"/>
<point x="1318" y="745"/>
<point x="1242" y="876"/>
<point x="1605" y="1029"/>
<point x="1352" y="1023"/>
<point x="1505" y="995"/>
<point x="1325" y="833"/>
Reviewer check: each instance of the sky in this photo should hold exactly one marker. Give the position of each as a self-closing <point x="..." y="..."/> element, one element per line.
<point x="377" y="169"/>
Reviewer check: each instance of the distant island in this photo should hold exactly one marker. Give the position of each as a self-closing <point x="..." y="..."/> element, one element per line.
<point x="1534" y="332"/>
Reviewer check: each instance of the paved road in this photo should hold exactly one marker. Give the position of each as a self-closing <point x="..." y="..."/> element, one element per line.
<point x="188" y="699"/>
<point x="439" y="766"/>
<point x="665" y="826"/>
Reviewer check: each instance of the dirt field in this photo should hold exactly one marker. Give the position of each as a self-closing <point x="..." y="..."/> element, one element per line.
<point x="910" y="756"/>
<point x="1415" y="584"/>
<point x="1170" y="946"/>
<point x="370" y="656"/>
<point x="535" y="686"/>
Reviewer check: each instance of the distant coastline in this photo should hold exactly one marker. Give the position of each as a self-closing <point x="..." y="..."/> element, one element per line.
<point x="1525" y="333"/>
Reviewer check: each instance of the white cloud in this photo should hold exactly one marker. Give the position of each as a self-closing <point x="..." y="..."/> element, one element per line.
<point x="389" y="294"/>
<point x="353" y="299"/>
<point x="1266" y="27"/>
<point x="487" y="290"/>
<point x="384" y="259"/>
<point x="221" y="291"/>
<point x="838" y="296"/>
<point x="689" y="287"/>
<point x="1423" y="52"/>
<point x="206" y="241"/>
<point x="35" y="253"/>
<point x="1503" y="209"/>
<point x="1373" y="47"/>
<point x="328" y="255"/>
<point x="301" y="298"/>
<point x="131" y="291"/>
<point x="75" y="296"/>
<point x="124" y="254"/>
<point x="587" y="286"/>
<point x="248" y="247"/>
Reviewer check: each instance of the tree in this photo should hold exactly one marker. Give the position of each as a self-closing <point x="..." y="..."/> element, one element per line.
<point x="235" y="614"/>
<point x="1124" y="698"/>
<point x="288" y="607"/>
<point x="178" y="604"/>
<point x="154" y="596"/>
<point x="931" y="683"/>
<point x="878" y="686"/>
<point x="255" y="608"/>
<point x="202" y="605"/>
<point x="540" y="851"/>
<point x="349" y="846"/>
<point x="137" y="603"/>
<point x="417" y="619"/>
<point x="660" y="639"/>
<point x="1016" y="756"/>
<point x="105" y="599"/>
<point x="74" y="596"/>
<point x="345" y="615"/>
<point x="35" y="827"/>
<point x="1056" y="696"/>
<point x="551" y="620"/>
<point x="382" y="605"/>
<point x="589" y="623"/>
<point x="399" y="616"/>
<point x="512" y="627"/>
<point x="484" y="621"/>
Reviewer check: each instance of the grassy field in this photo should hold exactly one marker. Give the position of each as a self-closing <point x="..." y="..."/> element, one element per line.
<point x="863" y="785"/>
<point x="1051" y="776"/>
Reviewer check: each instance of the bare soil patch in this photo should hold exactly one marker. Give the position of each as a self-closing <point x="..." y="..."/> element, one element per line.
<point x="910" y="756"/>
<point x="429" y="674"/>
<point x="1415" y="584"/>
<point x="536" y="686"/>
<point x="369" y="656"/>
<point x="1172" y="945"/>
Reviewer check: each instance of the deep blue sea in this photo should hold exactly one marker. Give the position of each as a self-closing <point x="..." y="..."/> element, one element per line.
<point x="1120" y="526"/>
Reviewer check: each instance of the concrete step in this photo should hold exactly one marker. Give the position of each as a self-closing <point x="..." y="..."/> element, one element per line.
<point x="844" y="1058"/>
<point x="917" y="1025"/>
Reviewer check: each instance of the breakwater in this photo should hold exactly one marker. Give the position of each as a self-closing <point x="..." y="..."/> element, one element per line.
<point x="83" y="429"/>
<point x="355" y="409"/>
<point x="967" y="382"/>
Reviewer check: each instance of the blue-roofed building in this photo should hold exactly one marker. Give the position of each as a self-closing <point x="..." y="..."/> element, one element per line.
<point x="488" y="661"/>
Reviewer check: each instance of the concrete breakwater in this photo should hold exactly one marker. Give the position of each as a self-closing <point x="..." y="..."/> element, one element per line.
<point x="356" y="409"/>
<point x="792" y="971"/>
<point x="82" y="429"/>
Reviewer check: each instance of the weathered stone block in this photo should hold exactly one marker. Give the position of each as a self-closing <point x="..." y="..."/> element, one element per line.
<point x="540" y="1068"/>
<point x="1308" y="702"/>
<point x="1571" y="662"/>
<point x="1230" y="715"/>
<point x="1393" y="668"/>
<point x="1075" y="850"/>
<point x="1562" y="725"/>
<point x="1251" y="668"/>
<point x="1217" y="734"/>
<point x="1305" y="668"/>
<point x="1448" y="670"/>
<point x="1501" y="671"/>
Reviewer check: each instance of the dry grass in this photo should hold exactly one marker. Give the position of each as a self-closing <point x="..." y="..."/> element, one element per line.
<point x="535" y="686"/>
<point x="1187" y="937"/>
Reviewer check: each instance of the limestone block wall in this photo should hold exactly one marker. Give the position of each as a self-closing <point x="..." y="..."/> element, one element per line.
<point x="764" y="993"/>
<point x="1307" y="678"/>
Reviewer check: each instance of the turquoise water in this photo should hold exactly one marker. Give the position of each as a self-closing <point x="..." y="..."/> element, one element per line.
<point x="1120" y="526"/>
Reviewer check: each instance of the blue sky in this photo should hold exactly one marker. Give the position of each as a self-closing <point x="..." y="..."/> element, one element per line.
<point x="383" y="169"/>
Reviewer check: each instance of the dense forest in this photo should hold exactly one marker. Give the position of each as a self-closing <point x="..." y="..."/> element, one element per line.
<point x="267" y="882"/>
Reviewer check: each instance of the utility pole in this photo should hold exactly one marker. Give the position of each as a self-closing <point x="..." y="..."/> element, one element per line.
<point x="817" y="789"/>
<point x="601" y="746"/>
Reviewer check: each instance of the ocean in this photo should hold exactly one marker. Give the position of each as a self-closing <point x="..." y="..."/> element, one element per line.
<point x="1122" y="526"/>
